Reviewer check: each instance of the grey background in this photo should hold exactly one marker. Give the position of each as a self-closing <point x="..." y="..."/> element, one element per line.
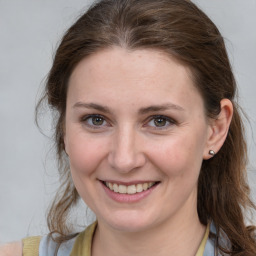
<point x="29" y="32"/>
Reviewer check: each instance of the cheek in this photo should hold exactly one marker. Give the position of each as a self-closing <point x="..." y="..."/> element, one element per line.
<point x="85" y="154"/>
<point x="179" y="155"/>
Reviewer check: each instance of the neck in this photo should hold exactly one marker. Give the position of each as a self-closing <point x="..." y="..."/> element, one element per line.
<point x="180" y="236"/>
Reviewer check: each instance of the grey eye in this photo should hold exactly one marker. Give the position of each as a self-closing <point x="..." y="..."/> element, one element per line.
<point x="97" y="120"/>
<point x="160" y="122"/>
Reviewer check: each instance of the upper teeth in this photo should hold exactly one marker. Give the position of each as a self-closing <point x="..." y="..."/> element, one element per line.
<point x="131" y="189"/>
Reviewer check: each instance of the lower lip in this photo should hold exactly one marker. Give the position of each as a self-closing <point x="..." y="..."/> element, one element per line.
<point x="128" y="198"/>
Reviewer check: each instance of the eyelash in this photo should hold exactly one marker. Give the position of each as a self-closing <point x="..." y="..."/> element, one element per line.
<point x="171" y="121"/>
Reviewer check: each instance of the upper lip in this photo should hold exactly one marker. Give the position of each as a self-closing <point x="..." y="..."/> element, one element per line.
<point x="127" y="183"/>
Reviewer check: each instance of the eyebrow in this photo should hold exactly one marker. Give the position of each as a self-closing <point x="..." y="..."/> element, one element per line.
<point x="95" y="106"/>
<point x="156" y="108"/>
<point x="142" y="111"/>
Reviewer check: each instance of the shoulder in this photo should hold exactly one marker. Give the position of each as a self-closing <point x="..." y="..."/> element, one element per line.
<point x="11" y="249"/>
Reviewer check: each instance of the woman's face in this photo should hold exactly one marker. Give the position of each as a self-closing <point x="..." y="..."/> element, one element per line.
<point x="136" y="135"/>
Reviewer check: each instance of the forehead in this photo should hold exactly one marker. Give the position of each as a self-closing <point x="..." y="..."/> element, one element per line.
<point x="132" y="76"/>
<point x="147" y="60"/>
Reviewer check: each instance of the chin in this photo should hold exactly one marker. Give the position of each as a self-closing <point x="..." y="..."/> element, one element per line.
<point x="130" y="221"/>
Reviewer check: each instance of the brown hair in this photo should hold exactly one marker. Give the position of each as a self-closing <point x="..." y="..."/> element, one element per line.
<point x="180" y="29"/>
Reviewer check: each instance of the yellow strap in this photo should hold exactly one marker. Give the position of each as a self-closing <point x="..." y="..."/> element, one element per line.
<point x="200" y="251"/>
<point x="31" y="246"/>
<point x="83" y="241"/>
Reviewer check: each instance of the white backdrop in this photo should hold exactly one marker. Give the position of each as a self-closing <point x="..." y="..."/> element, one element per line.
<point x="29" y="32"/>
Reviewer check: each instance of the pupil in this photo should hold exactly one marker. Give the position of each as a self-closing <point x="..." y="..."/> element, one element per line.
<point x="97" y="120"/>
<point x="160" y="122"/>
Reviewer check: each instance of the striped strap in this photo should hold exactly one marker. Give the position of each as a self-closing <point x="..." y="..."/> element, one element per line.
<point x="31" y="246"/>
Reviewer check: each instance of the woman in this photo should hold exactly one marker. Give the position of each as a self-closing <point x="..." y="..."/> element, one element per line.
<point x="148" y="134"/>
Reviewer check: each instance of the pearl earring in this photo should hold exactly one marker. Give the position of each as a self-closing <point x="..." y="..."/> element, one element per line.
<point x="211" y="152"/>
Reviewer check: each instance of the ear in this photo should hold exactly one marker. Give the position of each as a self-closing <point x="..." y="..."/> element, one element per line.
<point x="218" y="128"/>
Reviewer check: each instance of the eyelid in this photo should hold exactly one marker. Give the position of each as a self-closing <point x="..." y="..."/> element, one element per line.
<point x="85" y="117"/>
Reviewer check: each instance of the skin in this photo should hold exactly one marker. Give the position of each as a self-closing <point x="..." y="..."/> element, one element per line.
<point x="126" y="146"/>
<point x="11" y="249"/>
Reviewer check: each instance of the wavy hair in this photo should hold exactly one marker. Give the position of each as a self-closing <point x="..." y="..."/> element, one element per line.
<point x="179" y="29"/>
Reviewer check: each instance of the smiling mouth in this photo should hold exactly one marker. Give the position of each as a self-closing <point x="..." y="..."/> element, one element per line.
<point x="131" y="189"/>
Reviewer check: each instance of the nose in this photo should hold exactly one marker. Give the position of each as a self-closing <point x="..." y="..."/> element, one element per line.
<point x="126" y="152"/>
